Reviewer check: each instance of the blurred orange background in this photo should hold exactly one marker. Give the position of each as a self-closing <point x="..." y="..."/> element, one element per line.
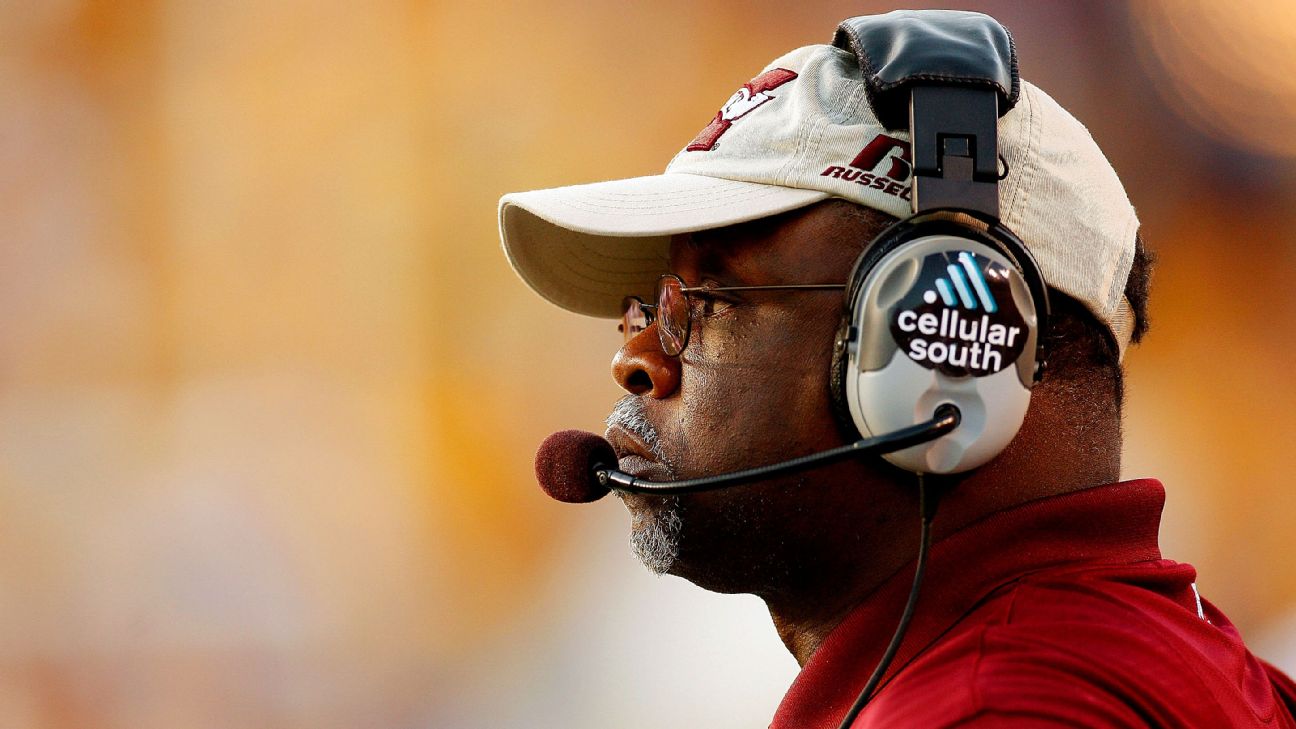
<point x="269" y="391"/>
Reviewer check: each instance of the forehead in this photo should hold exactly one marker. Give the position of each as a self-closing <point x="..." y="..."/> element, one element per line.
<point x="817" y="244"/>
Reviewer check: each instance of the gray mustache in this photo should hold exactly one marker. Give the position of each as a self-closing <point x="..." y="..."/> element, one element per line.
<point x="628" y="414"/>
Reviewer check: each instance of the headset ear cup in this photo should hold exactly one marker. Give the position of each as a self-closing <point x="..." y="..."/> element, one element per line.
<point x="883" y="374"/>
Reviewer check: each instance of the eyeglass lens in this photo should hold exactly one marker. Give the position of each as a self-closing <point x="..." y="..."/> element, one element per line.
<point x="672" y="315"/>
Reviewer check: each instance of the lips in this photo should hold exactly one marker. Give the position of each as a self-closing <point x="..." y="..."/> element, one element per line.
<point x="634" y="457"/>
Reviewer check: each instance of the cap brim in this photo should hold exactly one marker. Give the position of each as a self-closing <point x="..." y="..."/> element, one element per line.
<point x="586" y="247"/>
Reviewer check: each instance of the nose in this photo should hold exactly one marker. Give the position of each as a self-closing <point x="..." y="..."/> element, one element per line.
<point x="642" y="368"/>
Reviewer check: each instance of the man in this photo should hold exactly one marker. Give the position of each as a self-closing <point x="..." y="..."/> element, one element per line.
<point x="1046" y="600"/>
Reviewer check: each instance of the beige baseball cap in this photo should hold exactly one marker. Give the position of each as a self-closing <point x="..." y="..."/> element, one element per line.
<point x="803" y="131"/>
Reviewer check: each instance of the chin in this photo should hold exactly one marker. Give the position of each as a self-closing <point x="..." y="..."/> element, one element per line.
<point x="720" y="542"/>
<point x="656" y="530"/>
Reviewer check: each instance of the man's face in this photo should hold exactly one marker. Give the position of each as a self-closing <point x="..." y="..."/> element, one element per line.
<point x="751" y="388"/>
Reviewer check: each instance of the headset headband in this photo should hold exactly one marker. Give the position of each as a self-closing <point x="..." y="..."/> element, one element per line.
<point x="947" y="76"/>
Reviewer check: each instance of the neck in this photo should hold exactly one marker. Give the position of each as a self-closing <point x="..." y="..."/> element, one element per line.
<point x="803" y="626"/>
<point x="805" y="614"/>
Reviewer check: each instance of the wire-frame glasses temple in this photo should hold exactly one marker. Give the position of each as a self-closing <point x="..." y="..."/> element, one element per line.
<point x="673" y="312"/>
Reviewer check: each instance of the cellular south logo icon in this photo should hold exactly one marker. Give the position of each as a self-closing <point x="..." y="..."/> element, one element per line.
<point x="968" y="282"/>
<point x="745" y="100"/>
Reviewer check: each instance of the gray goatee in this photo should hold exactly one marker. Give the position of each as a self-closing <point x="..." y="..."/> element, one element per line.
<point x="655" y="534"/>
<point x="655" y="537"/>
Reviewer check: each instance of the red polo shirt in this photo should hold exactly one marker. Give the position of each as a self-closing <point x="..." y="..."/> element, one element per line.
<point x="1060" y="612"/>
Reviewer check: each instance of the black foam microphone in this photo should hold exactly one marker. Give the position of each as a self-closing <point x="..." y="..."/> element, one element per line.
<point x="577" y="467"/>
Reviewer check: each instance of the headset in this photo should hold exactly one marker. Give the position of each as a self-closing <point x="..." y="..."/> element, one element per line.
<point x="947" y="307"/>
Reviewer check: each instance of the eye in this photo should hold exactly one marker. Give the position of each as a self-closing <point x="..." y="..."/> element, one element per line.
<point x="712" y="303"/>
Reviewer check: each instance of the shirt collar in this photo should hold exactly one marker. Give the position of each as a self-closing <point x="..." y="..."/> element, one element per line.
<point x="1115" y="523"/>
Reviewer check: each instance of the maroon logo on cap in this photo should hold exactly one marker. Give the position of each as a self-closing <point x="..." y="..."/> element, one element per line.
<point x="878" y="149"/>
<point x="751" y="95"/>
<point x="861" y="169"/>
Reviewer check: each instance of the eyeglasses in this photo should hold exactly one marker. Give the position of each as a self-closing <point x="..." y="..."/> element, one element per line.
<point x="673" y="310"/>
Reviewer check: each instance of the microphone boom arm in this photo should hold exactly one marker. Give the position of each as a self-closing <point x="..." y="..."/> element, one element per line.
<point x="946" y="419"/>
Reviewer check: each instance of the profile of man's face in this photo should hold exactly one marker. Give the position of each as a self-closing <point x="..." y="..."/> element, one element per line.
<point x="751" y="388"/>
